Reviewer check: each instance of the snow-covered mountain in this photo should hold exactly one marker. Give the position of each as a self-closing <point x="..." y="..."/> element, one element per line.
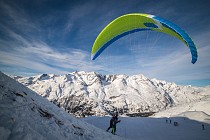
<point x="90" y="93"/>
<point x="25" y="115"/>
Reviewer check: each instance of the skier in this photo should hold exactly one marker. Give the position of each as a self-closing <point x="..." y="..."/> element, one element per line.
<point x="203" y="128"/>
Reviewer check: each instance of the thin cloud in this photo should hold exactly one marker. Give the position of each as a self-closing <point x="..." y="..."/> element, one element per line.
<point x="41" y="57"/>
<point x="177" y="66"/>
<point x="38" y="56"/>
<point x="18" y="19"/>
<point x="73" y="16"/>
<point x="27" y="51"/>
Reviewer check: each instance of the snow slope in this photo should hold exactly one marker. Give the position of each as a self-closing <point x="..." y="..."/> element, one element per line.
<point x="25" y="115"/>
<point x="90" y="93"/>
<point x="141" y="128"/>
<point x="201" y="106"/>
<point x="196" y="115"/>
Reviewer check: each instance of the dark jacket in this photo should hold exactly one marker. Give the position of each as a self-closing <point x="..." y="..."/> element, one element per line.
<point x="114" y="121"/>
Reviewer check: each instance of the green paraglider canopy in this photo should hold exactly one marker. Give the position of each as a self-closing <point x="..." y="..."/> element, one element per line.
<point x="136" y="22"/>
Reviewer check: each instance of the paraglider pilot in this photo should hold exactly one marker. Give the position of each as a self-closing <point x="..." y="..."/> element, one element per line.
<point x="113" y="122"/>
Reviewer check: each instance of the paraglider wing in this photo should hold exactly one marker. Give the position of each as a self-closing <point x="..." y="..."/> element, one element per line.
<point x="136" y="22"/>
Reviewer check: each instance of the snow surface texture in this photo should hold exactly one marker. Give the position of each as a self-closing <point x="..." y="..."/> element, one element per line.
<point x="25" y="115"/>
<point x="89" y="93"/>
<point x="147" y="128"/>
<point x="190" y="118"/>
<point x="201" y="107"/>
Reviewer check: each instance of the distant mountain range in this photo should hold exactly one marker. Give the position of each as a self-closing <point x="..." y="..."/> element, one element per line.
<point x="90" y="93"/>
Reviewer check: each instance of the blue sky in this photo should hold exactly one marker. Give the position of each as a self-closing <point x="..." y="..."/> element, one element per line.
<point x="52" y="36"/>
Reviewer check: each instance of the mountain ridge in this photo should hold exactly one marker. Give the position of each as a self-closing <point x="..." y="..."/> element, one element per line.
<point x="90" y="93"/>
